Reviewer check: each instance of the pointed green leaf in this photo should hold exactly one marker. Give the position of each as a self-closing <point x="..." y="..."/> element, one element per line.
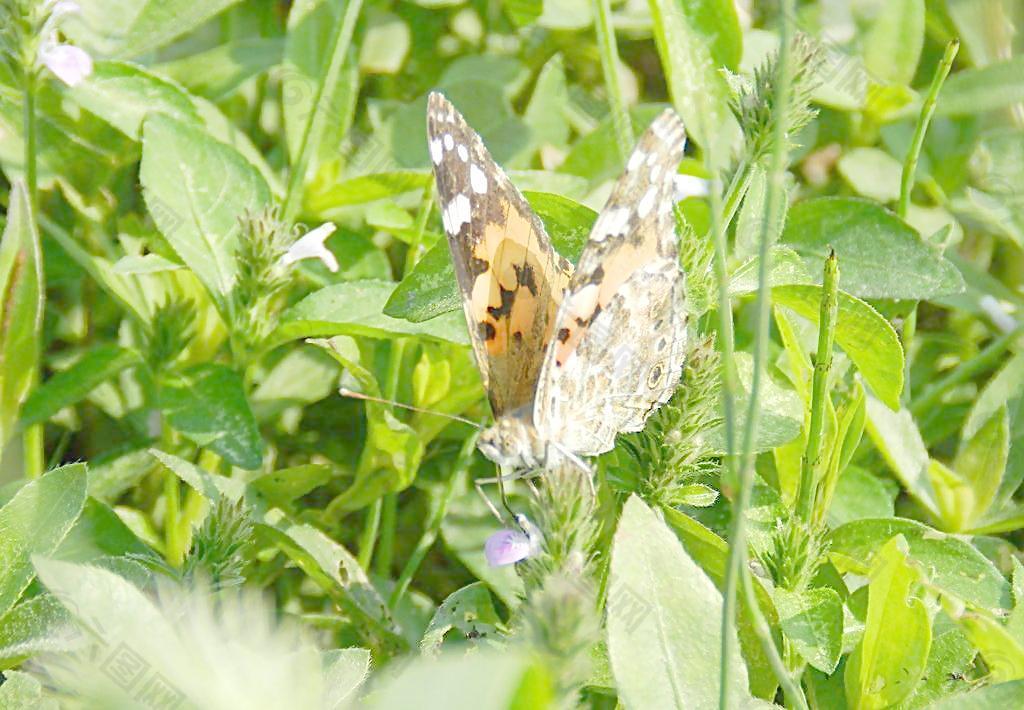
<point x="659" y="602"/>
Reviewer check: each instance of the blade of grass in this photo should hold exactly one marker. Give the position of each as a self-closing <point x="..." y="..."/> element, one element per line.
<point x="737" y="563"/>
<point x="819" y="388"/>
<point x="317" y="122"/>
<point x="909" y="172"/>
<point x="609" y="52"/>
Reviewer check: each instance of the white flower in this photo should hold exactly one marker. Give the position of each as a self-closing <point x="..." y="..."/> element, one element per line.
<point x="689" y="186"/>
<point x="68" y="63"/>
<point x="311" y="246"/>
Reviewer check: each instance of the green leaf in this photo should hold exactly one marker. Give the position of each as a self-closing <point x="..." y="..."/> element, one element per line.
<point x="287" y="484"/>
<point x="781" y="415"/>
<point x="950" y="563"/>
<point x="21" y="308"/>
<point x="487" y="680"/>
<point x="70" y="386"/>
<point x="897" y="438"/>
<point x="893" y="45"/>
<point x="1006" y="384"/>
<point x="697" y="87"/>
<point x="35" y="522"/>
<point x="469" y="612"/>
<point x="880" y="255"/>
<point x="659" y="602"/>
<point x="209" y="486"/>
<point x="785" y="268"/>
<point x="885" y="668"/>
<point x="988" y="88"/>
<point x="981" y="460"/>
<point x="208" y="405"/>
<point x="338" y="573"/>
<point x="719" y="24"/>
<point x="812" y="620"/>
<point x="124" y="94"/>
<point x="128" y="28"/>
<point x="36" y="625"/>
<point x="392" y="450"/>
<point x="872" y="173"/>
<point x="863" y="334"/>
<point x="357" y="308"/>
<point x="430" y="289"/>
<point x="100" y="533"/>
<point x="319" y="94"/>
<point x="1003" y="654"/>
<point x="224" y="67"/>
<point x="365" y="188"/>
<point x="859" y="494"/>
<point x="22" y="691"/>
<point x="345" y="669"/>
<point x="196" y="188"/>
<point x="990" y="697"/>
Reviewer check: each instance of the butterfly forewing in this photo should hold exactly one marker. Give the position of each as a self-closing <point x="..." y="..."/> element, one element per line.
<point x="510" y="277"/>
<point x="620" y="331"/>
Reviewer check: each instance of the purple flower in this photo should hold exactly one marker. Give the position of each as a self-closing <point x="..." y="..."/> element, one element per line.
<point x="507" y="547"/>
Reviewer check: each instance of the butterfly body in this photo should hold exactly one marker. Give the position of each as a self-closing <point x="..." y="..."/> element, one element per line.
<point x="569" y="358"/>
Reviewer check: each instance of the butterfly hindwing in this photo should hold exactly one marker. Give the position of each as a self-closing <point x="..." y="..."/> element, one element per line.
<point x="620" y="333"/>
<point x="510" y="277"/>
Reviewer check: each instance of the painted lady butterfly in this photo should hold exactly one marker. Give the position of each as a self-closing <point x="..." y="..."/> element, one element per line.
<point x="569" y="358"/>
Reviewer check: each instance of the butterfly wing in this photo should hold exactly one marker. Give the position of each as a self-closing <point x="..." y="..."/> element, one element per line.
<point x="510" y="277"/>
<point x="621" y="328"/>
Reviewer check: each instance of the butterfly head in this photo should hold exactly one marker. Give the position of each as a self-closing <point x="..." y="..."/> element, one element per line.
<point x="513" y="443"/>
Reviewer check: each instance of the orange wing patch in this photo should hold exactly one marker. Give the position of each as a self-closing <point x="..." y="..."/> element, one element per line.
<point x="506" y="298"/>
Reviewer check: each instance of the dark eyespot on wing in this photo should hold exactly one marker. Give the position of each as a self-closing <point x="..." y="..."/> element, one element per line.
<point x="487" y="331"/>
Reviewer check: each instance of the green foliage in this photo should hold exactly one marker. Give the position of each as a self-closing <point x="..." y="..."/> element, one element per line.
<point x="181" y="481"/>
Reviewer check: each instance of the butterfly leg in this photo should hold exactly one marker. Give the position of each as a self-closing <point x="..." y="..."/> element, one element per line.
<point x="582" y="465"/>
<point x="502" y="477"/>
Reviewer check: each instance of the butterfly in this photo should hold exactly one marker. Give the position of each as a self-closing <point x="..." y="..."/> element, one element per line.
<point x="569" y="357"/>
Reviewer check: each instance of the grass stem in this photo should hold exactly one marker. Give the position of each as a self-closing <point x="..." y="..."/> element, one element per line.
<point x="923" y="120"/>
<point x="320" y="111"/>
<point x="609" y="52"/>
<point x="819" y="388"/>
<point x="736" y="567"/>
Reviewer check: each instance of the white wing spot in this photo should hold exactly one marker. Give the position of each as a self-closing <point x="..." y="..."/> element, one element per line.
<point x="655" y="172"/>
<point x="646" y="203"/>
<point x="463" y="153"/>
<point x="435" y="151"/>
<point x="459" y="209"/>
<point x="448" y="142"/>
<point x="477" y="179"/>
<point x="447" y="222"/>
<point x="614" y="222"/>
<point x="635" y="160"/>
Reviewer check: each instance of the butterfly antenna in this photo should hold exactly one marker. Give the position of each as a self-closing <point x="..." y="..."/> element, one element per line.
<point x="346" y="392"/>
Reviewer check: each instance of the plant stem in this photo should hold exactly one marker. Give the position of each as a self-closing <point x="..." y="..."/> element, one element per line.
<point x="320" y="111"/>
<point x="790" y="687"/>
<point x="433" y="528"/>
<point x="32" y="439"/>
<point x="368" y="538"/>
<point x="610" y="67"/>
<point x="819" y="388"/>
<point x="383" y="511"/>
<point x="386" y="546"/>
<point x="988" y="358"/>
<point x="907" y="182"/>
<point x="927" y="110"/>
<point x="736" y="568"/>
